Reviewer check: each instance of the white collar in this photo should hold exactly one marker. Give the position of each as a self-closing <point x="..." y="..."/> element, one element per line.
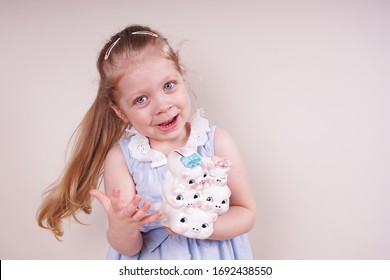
<point x="140" y="148"/>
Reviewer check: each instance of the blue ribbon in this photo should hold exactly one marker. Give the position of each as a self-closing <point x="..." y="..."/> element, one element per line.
<point x="191" y="161"/>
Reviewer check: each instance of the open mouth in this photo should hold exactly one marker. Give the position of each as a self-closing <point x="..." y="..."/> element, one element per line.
<point x="168" y="124"/>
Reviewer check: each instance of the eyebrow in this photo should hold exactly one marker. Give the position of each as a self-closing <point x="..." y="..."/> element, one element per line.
<point x="142" y="91"/>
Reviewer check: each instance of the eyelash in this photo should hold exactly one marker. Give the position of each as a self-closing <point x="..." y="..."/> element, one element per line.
<point x="144" y="98"/>
<point x="136" y="101"/>
<point x="173" y="83"/>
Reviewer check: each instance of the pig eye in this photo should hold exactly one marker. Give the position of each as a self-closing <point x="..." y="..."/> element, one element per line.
<point x="224" y="201"/>
<point x="179" y="197"/>
<point x="196" y="196"/>
<point x="191" y="182"/>
<point x="205" y="225"/>
<point x="183" y="220"/>
<point x="205" y="175"/>
<point x="209" y="199"/>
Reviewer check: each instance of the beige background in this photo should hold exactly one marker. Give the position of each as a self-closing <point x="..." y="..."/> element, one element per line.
<point x="303" y="86"/>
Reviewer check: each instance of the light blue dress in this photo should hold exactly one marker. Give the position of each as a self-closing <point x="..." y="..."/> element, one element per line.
<point x="148" y="168"/>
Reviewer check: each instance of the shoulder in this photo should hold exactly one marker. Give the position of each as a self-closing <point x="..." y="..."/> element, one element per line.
<point x="226" y="147"/>
<point x="115" y="161"/>
<point x="120" y="152"/>
<point x="115" y="154"/>
<point x="223" y="142"/>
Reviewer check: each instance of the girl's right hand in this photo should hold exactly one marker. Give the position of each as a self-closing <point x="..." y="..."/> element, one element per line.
<point x="127" y="218"/>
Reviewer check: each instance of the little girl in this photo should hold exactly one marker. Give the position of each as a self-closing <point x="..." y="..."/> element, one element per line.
<point x="142" y="92"/>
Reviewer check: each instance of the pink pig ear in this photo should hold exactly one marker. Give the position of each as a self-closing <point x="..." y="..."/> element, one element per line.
<point x="185" y="175"/>
<point x="215" y="158"/>
<point x="177" y="191"/>
<point x="208" y="163"/>
<point x="229" y="192"/>
<point x="182" y="150"/>
<point x="213" y="217"/>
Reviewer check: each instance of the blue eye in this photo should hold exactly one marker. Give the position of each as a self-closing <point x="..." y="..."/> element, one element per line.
<point x="169" y="86"/>
<point x="140" y="100"/>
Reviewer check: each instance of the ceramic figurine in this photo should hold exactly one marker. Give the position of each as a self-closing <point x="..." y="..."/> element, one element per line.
<point x="195" y="192"/>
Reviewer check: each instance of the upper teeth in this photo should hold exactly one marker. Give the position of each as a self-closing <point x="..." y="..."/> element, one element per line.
<point x="166" y="123"/>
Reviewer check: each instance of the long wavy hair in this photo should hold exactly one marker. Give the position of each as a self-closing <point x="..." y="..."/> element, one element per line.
<point x="100" y="129"/>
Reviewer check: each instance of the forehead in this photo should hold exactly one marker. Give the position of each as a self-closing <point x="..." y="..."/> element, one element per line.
<point x="144" y="70"/>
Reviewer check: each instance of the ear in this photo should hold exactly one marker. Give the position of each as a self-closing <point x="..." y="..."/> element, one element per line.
<point x="181" y="150"/>
<point x="213" y="217"/>
<point x="210" y="164"/>
<point x="229" y="191"/>
<point x="119" y="113"/>
<point x="177" y="191"/>
<point x="185" y="175"/>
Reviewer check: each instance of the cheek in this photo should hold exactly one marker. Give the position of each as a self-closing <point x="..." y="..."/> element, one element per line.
<point x="178" y="203"/>
<point x="206" y="205"/>
<point x="198" y="203"/>
<point x="140" y="119"/>
<point x="183" y="100"/>
<point x="182" y="228"/>
<point x="225" y="206"/>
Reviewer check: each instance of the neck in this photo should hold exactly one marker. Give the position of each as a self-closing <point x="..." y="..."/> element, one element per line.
<point x="169" y="145"/>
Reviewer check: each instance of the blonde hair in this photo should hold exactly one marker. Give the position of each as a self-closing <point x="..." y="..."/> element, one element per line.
<point x="100" y="129"/>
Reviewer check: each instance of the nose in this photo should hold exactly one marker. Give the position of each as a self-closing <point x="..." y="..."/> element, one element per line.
<point x="195" y="229"/>
<point x="162" y="104"/>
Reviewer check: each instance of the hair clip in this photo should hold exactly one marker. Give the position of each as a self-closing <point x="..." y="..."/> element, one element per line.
<point x="110" y="49"/>
<point x="144" y="32"/>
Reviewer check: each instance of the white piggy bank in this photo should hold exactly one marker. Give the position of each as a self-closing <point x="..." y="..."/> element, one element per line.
<point x="191" y="201"/>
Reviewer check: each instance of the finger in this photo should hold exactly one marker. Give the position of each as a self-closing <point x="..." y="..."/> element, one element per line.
<point x="132" y="207"/>
<point x="102" y="198"/>
<point x="116" y="202"/>
<point x="142" y="212"/>
<point x="152" y="218"/>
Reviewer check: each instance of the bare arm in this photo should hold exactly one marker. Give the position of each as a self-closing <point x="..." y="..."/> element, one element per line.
<point x="242" y="212"/>
<point x="121" y="205"/>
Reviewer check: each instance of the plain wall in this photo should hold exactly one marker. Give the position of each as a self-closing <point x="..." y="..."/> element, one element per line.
<point x="303" y="87"/>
